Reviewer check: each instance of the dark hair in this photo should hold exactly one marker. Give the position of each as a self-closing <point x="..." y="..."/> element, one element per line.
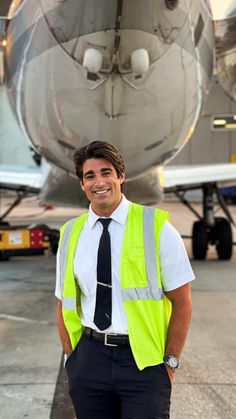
<point x="98" y="150"/>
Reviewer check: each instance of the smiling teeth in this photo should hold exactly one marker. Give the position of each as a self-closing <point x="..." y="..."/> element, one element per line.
<point x="101" y="192"/>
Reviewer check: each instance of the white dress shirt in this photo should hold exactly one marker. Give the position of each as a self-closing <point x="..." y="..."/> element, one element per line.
<point x="175" y="267"/>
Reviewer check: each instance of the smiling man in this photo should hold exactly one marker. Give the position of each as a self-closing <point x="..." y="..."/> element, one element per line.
<point x="124" y="301"/>
<point x="102" y="185"/>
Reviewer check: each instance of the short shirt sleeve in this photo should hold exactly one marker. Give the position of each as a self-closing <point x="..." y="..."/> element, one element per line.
<point x="175" y="266"/>
<point x="58" y="284"/>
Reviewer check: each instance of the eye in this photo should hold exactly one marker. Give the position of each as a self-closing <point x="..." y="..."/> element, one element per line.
<point x="171" y="4"/>
<point x="88" y="177"/>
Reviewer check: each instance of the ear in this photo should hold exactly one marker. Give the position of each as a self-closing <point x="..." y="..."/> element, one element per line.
<point x="81" y="185"/>
<point x="122" y="178"/>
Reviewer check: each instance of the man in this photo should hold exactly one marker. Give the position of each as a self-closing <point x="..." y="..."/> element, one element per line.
<point x="124" y="303"/>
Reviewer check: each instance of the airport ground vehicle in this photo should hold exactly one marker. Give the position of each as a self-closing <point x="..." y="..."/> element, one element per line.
<point x="26" y="240"/>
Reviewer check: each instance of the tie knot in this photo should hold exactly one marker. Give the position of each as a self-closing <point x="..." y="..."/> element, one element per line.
<point x="105" y="222"/>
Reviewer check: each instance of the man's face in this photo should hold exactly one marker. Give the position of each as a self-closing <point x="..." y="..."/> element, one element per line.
<point x="102" y="185"/>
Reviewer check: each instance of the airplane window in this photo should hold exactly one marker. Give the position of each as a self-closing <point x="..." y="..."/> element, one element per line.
<point x="69" y="20"/>
<point x="198" y="30"/>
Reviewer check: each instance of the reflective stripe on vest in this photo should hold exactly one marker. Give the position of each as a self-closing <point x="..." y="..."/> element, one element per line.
<point x="67" y="303"/>
<point x="151" y="292"/>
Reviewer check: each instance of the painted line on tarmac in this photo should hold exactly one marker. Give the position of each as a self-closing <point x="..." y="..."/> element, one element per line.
<point x="23" y="319"/>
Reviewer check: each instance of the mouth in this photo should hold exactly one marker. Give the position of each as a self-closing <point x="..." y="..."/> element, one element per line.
<point x="101" y="192"/>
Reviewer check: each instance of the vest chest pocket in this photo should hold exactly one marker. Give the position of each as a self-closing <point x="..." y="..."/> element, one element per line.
<point x="133" y="268"/>
<point x="85" y="273"/>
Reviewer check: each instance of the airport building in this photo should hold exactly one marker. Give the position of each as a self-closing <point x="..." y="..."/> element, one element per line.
<point x="212" y="144"/>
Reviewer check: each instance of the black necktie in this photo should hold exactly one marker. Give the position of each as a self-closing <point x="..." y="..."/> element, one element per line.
<point x="102" y="316"/>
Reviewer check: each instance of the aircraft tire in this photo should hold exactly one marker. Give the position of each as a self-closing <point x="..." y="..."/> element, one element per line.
<point x="224" y="239"/>
<point x="199" y="240"/>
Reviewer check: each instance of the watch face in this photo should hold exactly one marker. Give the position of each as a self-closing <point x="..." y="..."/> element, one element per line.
<point x="173" y="362"/>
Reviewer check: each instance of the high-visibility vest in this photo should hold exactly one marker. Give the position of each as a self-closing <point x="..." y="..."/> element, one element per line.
<point x="147" y="308"/>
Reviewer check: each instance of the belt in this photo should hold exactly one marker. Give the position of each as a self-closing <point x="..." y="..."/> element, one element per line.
<point x="108" y="339"/>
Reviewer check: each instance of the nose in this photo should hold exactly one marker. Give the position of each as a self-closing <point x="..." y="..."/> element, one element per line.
<point x="99" y="181"/>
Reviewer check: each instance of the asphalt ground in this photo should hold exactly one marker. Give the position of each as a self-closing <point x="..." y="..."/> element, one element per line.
<point x="32" y="385"/>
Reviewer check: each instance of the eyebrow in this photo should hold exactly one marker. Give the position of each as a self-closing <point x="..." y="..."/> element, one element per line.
<point x="91" y="172"/>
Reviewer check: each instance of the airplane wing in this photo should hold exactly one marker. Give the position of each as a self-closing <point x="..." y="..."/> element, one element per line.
<point x="18" y="169"/>
<point x="195" y="176"/>
<point x="209" y="229"/>
<point x="23" y="178"/>
<point x="172" y="178"/>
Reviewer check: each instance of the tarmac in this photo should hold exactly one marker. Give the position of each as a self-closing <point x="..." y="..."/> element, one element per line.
<point x="30" y="352"/>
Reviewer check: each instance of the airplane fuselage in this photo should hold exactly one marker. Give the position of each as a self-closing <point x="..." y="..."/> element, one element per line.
<point x="75" y="73"/>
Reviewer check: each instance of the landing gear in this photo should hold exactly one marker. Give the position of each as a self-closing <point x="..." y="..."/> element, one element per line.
<point x="211" y="230"/>
<point x="219" y="235"/>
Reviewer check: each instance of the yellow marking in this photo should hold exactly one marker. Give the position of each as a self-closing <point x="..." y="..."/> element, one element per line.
<point x="161" y="177"/>
<point x="230" y="126"/>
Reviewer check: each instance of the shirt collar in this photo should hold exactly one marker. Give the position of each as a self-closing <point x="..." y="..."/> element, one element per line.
<point x="119" y="215"/>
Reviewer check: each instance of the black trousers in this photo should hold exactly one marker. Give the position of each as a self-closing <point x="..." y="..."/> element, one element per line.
<point x="105" y="383"/>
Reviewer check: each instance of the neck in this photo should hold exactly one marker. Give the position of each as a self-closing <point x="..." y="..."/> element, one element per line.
<point x="106" y="211"/>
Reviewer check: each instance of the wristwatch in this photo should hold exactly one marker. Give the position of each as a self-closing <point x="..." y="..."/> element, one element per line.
<point x="171" y="361"/>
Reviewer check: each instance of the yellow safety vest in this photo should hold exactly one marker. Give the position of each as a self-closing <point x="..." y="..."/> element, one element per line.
<point x="147" y="308"/>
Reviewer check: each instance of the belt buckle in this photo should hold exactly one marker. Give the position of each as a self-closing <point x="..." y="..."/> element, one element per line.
<point x="106" y="343"/>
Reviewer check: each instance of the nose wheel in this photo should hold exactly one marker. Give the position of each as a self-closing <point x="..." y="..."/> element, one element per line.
<point x="219" y="235"/>
<point x="211" y="230"/>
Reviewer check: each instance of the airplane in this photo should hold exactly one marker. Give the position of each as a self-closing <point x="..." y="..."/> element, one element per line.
<point x="136" y="73"/>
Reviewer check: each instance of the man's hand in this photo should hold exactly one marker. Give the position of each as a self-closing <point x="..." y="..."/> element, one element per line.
<point x="171" y="373"/>
<point x="64" y="336"/>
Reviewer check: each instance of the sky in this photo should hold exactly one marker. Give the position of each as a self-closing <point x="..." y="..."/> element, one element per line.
<point x="221" y="8"/>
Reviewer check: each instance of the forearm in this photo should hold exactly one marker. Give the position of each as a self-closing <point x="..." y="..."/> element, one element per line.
<point x="180" y="319"/>
<point x="178" y="328"/>
<point x="64" y="336"/>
